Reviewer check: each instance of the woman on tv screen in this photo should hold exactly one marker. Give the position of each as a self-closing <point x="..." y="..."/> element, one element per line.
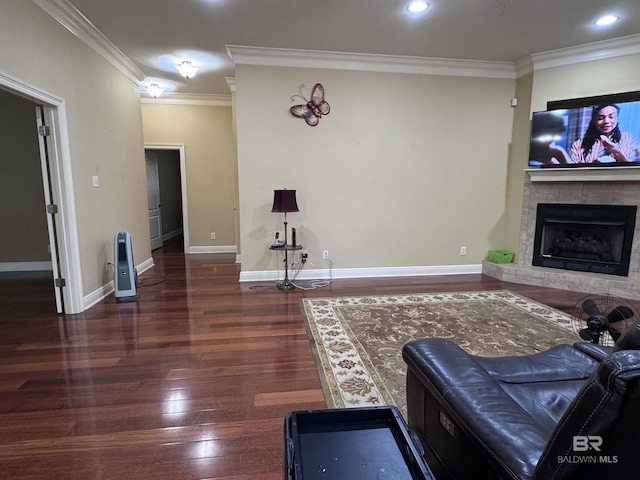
<point x="604" y="142"/>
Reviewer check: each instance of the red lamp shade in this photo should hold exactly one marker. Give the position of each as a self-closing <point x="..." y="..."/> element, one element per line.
<point x="284" y="201"/>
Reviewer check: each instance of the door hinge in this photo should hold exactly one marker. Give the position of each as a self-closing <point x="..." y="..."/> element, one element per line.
<point x="52" y="209"/>
<point x="60" y="282"/>
<point x="44" y="130"/>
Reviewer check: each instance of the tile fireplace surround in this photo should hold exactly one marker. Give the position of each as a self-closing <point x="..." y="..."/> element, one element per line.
<point x="590" y="190"/>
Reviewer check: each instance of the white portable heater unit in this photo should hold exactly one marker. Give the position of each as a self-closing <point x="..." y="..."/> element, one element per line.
<point x="126" y="276"/>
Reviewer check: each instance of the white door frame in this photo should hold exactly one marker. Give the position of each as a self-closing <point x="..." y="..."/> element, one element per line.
<point x="183" y="187"/>
<point x="61" y="187"/>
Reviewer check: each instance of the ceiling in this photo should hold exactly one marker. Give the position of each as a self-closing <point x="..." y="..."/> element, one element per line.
<point x="157" y="34"/>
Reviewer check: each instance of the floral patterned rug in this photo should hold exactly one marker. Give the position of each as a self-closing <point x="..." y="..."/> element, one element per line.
<point x="357" y="341"/>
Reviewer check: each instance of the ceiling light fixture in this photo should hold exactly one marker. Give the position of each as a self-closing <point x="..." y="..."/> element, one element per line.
<point x="187" y="69"/>
<point x="417" y="7"/>
<point x="154" y="90"/>
<point x="607" y="20"/>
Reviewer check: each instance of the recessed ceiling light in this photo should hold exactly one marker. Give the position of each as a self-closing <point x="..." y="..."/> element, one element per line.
<point x="607" y="20"/>
<point x="417" y="7"/>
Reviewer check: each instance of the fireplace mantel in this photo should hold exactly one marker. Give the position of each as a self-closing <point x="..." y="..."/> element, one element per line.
<point x="585" y="174"/>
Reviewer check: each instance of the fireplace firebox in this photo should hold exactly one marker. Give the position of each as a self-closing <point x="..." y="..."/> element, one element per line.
<point x="586" y="238"/>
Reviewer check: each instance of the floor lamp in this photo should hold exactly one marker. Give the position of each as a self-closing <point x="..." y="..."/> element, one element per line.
<point x="285" y="201"/>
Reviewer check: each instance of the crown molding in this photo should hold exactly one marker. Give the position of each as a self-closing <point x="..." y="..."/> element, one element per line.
<point x="285" y="57"/>
<point x="198" y="99"/>
<point x="617" y="47"/>
<point x="74" y="21"/>
<point x="524" y="66"/>
<point x="231" y="83"/>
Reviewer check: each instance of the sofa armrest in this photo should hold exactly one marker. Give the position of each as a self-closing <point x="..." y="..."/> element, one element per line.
<point x="442" y="363"/>
<point x="559" y="363"/>
<point x="502" y="429"/>
<point x="598" y="352"/>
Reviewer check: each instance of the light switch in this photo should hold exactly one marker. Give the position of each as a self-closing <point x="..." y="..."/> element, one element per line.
<point x="96" y="180"/>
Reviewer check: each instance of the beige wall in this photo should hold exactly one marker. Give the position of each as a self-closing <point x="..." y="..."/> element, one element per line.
<point x="600" y="77"/>
<point x="104" y="131"/>
<point x="404" y="171"/>
<point x="211" y="173"/>
<point x="21" y="190"/>
<point x="518" y="156"/>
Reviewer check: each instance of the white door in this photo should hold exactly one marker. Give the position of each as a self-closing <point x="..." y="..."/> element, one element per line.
<point x="52" y="210"/>
<point x="153" y="195"/>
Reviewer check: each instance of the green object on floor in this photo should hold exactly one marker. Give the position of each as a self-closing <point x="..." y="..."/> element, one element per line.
<point x="501" y="256"/>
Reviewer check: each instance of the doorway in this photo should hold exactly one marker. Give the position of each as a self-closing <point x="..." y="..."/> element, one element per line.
<point x="57" y="202"/>
<point x="166" y="192"/>
<point x="25" y="258"/>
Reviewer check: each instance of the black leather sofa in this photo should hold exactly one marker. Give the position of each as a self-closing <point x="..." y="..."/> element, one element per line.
<point x="571" y="412"/>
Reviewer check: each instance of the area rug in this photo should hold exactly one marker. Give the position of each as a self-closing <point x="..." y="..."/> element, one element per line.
<point x="357" y="341"/>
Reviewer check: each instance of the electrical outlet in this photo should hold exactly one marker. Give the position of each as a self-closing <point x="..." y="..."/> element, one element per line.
<point x="463" y="250"/>
<point x="213" y="236"/>
<point x="325" y="255"/>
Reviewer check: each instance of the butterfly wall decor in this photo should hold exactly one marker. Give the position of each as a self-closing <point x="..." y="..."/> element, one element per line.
<point x="314" y="108"/>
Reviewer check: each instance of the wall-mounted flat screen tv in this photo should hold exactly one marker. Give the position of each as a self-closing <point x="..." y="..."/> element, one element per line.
<point x="587" y="132"/>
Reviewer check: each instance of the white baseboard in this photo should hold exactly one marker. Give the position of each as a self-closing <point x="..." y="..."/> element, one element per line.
<point x="144" y="266"/>
<point x="104" y="291"/>
<point x="337" y="273"/>
<point x="214" y="249"/>
<point x="170" y="235"/>
<point x="25" y="266"/>
<point x="97" y="295"/>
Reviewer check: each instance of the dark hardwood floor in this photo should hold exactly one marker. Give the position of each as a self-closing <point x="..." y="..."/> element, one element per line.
<point x="191" y="381"/>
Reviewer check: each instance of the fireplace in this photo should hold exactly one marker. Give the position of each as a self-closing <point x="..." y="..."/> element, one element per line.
<point x="586" y="238"/>
<point x="598" y="191"/>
